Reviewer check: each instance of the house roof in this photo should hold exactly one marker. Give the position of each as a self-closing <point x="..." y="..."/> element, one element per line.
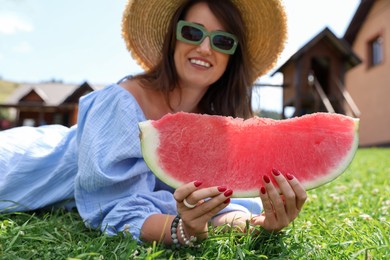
<point x="52" y="93"/>
<point x="341" y="45"/>
<point x="357" y="20"/>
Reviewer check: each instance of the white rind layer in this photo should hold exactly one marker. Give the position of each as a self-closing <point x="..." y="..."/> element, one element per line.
<point x="150" y="141"/>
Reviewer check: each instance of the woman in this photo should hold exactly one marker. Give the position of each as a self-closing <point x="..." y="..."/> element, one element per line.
<point x="200" y="56"/>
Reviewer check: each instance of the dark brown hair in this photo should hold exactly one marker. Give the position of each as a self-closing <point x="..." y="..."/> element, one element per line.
<point x="231" y="94"/>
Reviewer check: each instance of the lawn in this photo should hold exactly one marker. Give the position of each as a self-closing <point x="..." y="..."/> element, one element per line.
<point x="6" y="89"/>
<point x="346" y="219"/>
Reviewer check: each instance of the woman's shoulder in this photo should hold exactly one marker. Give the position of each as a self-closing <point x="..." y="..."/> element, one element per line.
<point x="150" y="100"/>
<point x="133" y="87"/>
<point x="112" y="99"/>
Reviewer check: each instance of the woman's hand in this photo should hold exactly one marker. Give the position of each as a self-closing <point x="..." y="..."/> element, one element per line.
<point x="207" y="202"/>
<point x="280" y="209"/>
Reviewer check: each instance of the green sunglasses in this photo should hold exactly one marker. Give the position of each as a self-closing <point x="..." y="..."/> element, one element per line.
<point x="194" y="34"/>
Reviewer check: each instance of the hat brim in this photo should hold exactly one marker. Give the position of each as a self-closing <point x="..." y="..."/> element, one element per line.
<point x="145" y="23"/>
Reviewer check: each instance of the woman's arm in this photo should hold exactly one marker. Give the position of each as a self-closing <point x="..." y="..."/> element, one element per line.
<point x="114" y="188"/>
<point x="157" y="227"/>
<point x="236" y="219"/>
<point x="195" y="220"/>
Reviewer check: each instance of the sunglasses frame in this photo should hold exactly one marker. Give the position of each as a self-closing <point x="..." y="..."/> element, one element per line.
<point x="206" y="33"/>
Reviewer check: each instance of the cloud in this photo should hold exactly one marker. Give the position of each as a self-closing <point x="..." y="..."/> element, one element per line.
<point x="23" y="47"/>
<point x="11" y="23"/>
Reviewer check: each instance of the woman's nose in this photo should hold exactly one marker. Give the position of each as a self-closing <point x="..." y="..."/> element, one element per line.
<point x="204" y="47"/>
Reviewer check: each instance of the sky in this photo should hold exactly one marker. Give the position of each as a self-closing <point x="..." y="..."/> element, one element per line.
<point x="80" y="40"/>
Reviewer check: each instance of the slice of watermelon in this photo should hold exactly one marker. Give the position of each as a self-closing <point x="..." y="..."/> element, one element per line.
<point x="183" y="147"/>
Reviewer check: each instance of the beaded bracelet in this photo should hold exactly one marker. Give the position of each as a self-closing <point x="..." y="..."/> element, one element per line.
<point x="174" y="225"/>
<point x="178" y="223"/>
<point x="188" y="242"/>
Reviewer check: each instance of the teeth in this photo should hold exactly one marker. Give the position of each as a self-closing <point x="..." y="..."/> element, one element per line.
<point x="200" y="63"/>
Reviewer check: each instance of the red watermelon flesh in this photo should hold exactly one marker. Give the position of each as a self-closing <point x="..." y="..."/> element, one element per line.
<point x="217" y="150"/>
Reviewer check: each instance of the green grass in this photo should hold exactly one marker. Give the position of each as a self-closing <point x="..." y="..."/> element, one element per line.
<point x="346" y="219"/>
<point x="6" y="89"/>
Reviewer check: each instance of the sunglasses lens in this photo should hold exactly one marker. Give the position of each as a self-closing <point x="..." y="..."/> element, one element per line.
<point x="223" y="42"/>
<point x="191" y="33"/>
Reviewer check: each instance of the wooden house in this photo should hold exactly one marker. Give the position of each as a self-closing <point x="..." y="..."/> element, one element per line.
<point x="46" y="103"/>
<point x="350" y="75"/>
<point x="313" y="78"/>
<point x="369" y="83"/>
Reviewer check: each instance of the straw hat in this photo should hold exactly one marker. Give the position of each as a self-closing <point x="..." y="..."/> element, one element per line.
<point x="145" y="23"/>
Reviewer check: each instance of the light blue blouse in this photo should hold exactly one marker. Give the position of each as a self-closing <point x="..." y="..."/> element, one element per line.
<point x="96" y="165"/>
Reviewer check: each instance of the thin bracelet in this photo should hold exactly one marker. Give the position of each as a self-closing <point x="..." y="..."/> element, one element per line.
<point x="174" y="225"/>
<point x="188" y="242"/>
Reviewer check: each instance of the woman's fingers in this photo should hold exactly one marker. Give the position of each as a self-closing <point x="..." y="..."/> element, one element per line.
<point x="277" y="202"/>
<point x="269" y="213"/>
<point x="195" y="202"/>
<point x="280" y="208"/>
<point x="293" y="192"/>
<point x="288" y="194"/>
<point x="183" y="191"/>
<point x="212" y="199"/>
<point x="207" y="202"/>
<point x="204" y="212"/>
<point x="300" y="193"/>
<point x="201" y="194"/>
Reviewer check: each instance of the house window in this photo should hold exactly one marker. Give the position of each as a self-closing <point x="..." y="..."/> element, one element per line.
<point x="376" y="51"/>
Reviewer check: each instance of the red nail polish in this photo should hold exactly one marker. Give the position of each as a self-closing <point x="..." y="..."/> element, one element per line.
<point x="228" y="193"/>
<point x="222" y="188"/>
<point x="262" y="190"/>
<point x="227" y="201"/>
<point x="266" y="179"/>
<point x="289" y="176"/>
<point x="275" y="172"/>
<point x="198" y="183"/>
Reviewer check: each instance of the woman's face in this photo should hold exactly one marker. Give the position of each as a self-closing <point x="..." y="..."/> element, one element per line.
<point x="200" y="65"/>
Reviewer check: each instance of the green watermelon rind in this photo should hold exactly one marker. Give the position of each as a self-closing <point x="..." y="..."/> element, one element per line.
<point x="150" y="141"/>
<point x="149" y="136"/>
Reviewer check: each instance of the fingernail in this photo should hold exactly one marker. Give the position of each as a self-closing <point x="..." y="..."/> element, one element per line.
<point x="289" y="176"/>
<point x="228" y="193"/>
<point x="266" y="179"/>
<point x="227" y="201"/>
<point x="222" y="188"/>
<point x="198" y="183"/>
<point x="275" y="172"/>
<point x="262" y="190"/>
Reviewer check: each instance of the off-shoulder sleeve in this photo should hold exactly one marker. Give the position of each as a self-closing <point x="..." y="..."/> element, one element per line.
<point x="114" y="189"/>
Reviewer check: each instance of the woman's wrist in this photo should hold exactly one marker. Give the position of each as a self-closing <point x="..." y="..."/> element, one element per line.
<point x="236" y="219"/>
<point x="174" y="232"/>
<point x="179" y="236"/>
<point x="188" y="240"/>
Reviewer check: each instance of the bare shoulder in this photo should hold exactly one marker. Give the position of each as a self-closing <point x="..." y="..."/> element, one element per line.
<point x="150" y="101"/>
<point x="133" y="86"/>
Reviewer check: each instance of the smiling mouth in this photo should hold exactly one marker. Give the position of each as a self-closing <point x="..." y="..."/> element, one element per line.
<point x="200" y="63"/>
